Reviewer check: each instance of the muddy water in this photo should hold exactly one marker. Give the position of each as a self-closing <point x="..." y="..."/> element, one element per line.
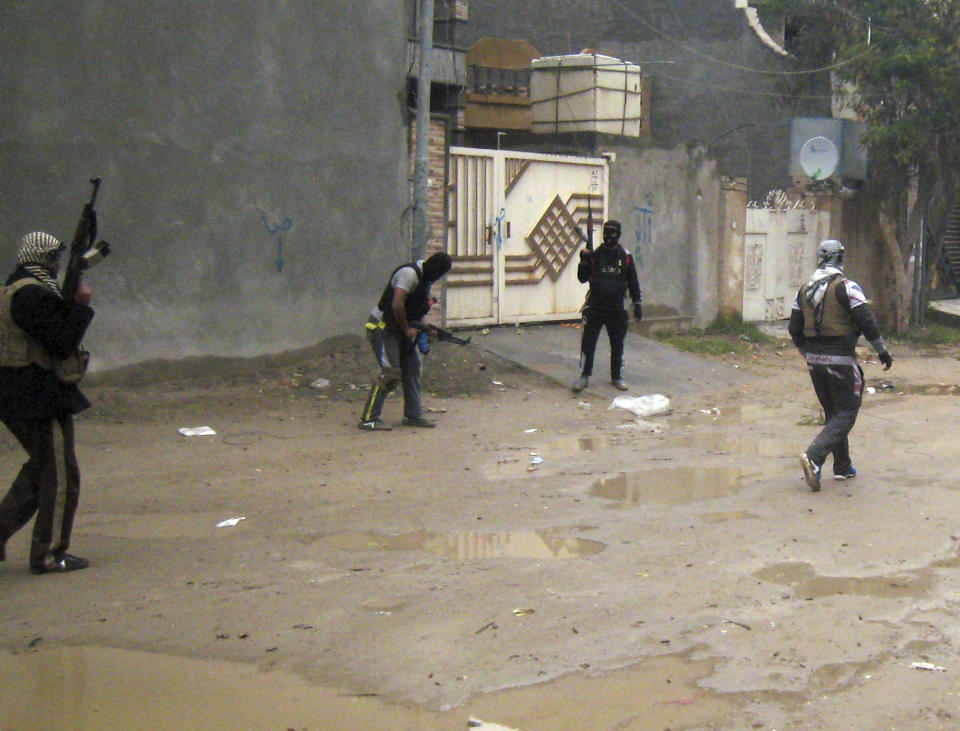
<point x="100" y="689"/>
<point x="472" y="545"/>
<point x="672" y="485"/>
<point x="94" y="689"/>
<point x="807" y="583"/>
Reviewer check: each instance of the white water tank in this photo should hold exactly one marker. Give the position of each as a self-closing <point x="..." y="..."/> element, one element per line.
<point x="585" y="92"/>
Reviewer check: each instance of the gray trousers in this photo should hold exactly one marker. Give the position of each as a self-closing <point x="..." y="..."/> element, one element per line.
<point x="838" y="383"/>
<point x="399" y="362"/>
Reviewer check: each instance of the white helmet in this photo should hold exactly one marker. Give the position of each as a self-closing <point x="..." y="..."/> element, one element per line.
<point x="830" y="253"/>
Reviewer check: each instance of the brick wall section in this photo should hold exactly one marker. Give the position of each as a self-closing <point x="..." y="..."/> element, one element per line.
<point x="437" y="180"/>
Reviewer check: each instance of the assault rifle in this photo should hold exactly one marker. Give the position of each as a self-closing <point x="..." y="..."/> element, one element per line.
<point x="588" y="236"/>
<point x="441" y="334"/>
<point x="84" y="253"/>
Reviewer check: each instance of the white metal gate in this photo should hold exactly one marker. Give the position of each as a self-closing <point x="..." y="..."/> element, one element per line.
<point x="780" y="253"/>
<point x="512" y="233"/>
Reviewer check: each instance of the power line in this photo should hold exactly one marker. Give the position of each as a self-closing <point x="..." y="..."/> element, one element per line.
<point x="740" y="67"/>
<point x="752" y="92"/>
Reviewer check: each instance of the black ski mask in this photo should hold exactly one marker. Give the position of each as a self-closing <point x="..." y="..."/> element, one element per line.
<point x="611" y="233"/>
<point x="436" y="266"/>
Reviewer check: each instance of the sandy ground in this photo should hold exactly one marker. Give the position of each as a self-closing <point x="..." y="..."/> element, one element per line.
<point x="538" y="561"/>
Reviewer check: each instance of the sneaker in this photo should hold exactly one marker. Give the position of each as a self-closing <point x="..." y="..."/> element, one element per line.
<point x="417" y="421"/>
<point x="580" y="384"/>
<point x="375" y="425"/>
<point x="69" y="562"/>
<point x="811" y="472"/>
<point x="847" y="474"/>
<point x="619" y="384"/>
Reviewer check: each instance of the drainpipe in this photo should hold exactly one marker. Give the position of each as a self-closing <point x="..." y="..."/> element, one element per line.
<point x="421" y="164"/>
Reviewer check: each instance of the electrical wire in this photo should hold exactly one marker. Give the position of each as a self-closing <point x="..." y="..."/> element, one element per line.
<point x="740" y="67"/>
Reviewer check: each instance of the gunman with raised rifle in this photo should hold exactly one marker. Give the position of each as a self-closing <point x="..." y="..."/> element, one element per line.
<point x="42" y="323"/>
<point x="611" y="274"/>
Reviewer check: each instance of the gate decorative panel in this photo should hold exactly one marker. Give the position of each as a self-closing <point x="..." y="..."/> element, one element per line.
<point x="780" y="248"/>
<point x="513" y="233"/>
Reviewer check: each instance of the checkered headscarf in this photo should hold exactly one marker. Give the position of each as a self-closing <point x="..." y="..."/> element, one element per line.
<point x="39" y="254"/>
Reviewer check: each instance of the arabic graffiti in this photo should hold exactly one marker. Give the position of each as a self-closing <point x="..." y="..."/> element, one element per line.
<point x="277" y="230"/>
<point x="643" y="221"/>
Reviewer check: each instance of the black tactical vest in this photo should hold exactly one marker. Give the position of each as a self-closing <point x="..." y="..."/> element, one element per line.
<point x="608" y="277"/>
<point x="418" y="301"/>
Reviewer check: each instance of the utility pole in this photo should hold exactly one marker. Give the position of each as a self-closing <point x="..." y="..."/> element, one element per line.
<point x="421" y="164"/>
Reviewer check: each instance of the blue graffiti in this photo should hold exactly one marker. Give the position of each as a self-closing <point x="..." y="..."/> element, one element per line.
<point x="499" y="220"/>
<point x="643" y="225"/>
<point x="277" y="232"/>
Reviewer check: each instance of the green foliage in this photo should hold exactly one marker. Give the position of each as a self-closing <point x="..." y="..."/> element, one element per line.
<point x="733" y="325"/>
<point x="724" y="335"/>
<point x="933" y="334"/>
<point x="903" y="56"/>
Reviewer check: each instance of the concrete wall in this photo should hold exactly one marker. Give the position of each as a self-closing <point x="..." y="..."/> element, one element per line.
<point x="733" y="225"/>
<point x="668" y="202"/>
<point x="697" y="55"/>
<point x="253" y="158"/>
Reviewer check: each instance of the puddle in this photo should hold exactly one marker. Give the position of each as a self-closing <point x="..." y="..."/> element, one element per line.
<point x="663" y="692"/>
<point x="471" y="545"/>
<point x="91" y="689"/>
<point x="808" y="584"/>
<point x="671" y="486"/>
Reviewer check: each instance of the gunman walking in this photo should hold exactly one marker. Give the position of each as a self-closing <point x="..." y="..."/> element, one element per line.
<point x="40" y="329"/>
<point x="828" y="317"/>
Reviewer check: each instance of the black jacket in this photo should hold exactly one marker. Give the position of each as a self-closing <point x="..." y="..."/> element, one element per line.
<point x="611" y="273"/>
<point x="31" y="392"/>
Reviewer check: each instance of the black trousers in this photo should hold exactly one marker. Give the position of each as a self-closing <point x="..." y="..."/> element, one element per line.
<point x="48" y="485"/>
<point x="616" y="322"/>
<point x="839" y="388"/>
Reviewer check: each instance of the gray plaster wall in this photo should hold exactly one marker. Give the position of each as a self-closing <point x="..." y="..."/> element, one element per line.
<point x="668" y="204"/>
<point x="252" y="154"/>
<point x="714" y="81"/>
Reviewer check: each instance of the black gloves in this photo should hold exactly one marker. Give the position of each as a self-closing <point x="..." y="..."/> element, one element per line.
<point x="637" y="311"/>
<point x="886" y="359"/>
<point x="585" y="254"/>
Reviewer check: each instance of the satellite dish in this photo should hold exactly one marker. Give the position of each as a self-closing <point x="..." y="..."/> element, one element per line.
<point x="819" y="158"/>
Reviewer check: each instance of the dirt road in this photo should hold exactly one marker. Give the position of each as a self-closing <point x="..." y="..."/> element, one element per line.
<point x="539" y="560"/>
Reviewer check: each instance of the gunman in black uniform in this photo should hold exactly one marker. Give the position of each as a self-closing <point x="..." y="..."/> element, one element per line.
<point x="611" y="273"/>
<point x="828" y="317"/>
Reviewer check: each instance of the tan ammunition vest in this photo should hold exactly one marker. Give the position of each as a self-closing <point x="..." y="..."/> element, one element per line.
<point x="17" y="349"/>
<point x="834" y="320"/>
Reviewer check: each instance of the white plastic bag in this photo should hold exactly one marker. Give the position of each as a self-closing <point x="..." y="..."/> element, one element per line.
<point x="641" y="406"/>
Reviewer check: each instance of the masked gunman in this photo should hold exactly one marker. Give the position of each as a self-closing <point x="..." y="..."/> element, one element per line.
<point x="827" y="319"/>
<point x="405" y="300"/>
<point x="40" y="334"/>
<point x="611" y="274"/>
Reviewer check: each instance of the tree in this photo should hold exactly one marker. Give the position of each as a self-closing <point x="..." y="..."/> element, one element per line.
<point x="902" y="57"/>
